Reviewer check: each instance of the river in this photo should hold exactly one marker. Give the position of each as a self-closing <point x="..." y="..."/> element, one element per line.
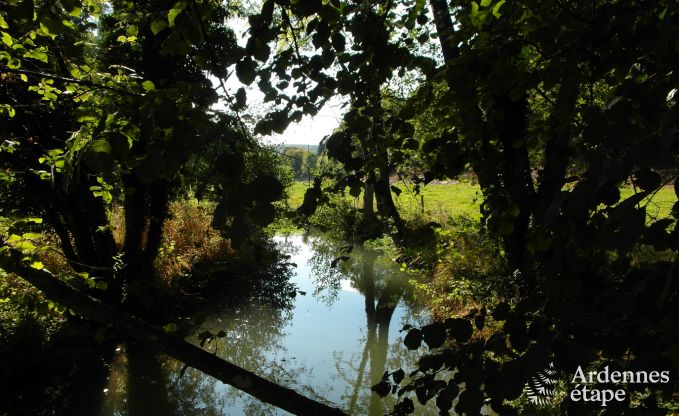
<point x="334" y="340"/>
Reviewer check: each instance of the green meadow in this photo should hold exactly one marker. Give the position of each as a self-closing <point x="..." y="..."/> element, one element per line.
<point x="439" y="201"/>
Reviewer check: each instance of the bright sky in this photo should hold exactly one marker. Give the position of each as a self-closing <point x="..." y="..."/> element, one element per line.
<point x="310" y="130"/>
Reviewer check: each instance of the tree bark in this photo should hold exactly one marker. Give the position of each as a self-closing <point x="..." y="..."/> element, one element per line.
<point x="138" y="330"/>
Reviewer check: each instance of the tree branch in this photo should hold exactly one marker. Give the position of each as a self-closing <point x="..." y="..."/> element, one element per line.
<point x="91" y="84"/>
<point x="154" y="337"/>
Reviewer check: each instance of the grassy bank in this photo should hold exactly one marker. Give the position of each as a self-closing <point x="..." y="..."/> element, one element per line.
<point x="462" y="267"/>
<point x="438" y="201"/>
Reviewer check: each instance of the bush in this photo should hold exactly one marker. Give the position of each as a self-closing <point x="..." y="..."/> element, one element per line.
<point x="467" y="271"/>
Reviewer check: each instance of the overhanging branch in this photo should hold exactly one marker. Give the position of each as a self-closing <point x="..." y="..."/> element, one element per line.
<point x="141" y="331"/>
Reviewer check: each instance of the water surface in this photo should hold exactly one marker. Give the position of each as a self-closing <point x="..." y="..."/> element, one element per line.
<point x="336" y="339"/>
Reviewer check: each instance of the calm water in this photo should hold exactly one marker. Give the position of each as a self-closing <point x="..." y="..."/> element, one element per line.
<point x="336" y="340"/>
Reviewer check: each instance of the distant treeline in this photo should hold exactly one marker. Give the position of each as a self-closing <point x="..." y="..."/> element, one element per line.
<point x="302" y="159"/>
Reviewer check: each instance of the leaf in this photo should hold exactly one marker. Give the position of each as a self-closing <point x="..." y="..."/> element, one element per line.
<point x="246" y="71"/>
<point x="241" y="99"/>
<point x="261" y="51"/>
<point x="53" y="26"/>
<point x="496" y="9"/>
<point x="99" y="156"/>
<point x="338" y="42"/>
<point x="3" y="23"/>
<point x="486" y="3"/>
<point x="172" y="16"/>
<point x="266" y="188"/>
<point x="500" y="312"/>
<point x="170" y="328"/>
<point x="398" y="375"/>
<point x="647" y="179"/>
<point x="148" y="86"/>
<point x="7" y="39"/>
<point x="158" y="25"/>
<point x="85" y="114"/>
<point x="263" y="214"/>
<point x="37" y="54"/>
<point x="100" y="146"/>
<point x="461" y="329"/>
<point x="434" y="335"/>
<point x="37" y="265"/>
<point x="413" y="339"/>
<point x="475" y="9"/>
<point x="382" y="388"/>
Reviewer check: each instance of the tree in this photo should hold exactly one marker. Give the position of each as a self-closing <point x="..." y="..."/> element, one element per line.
<point x="303" y="162"/>
<point x="100" y="96"/>
<point x="589" y="89"/>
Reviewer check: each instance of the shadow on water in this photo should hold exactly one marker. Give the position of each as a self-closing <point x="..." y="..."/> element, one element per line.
<point x="332" y="343"/>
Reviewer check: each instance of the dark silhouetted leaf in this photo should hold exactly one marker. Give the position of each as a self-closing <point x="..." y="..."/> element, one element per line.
<point x="434" y="334"/>
<point x="460" y="329"/>
<point x="382" y="388"/>
<point x="413" y="339"/>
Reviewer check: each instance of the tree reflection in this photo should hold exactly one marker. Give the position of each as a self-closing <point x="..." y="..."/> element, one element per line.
<point x="382" y="286"/>
<point x="262" y="339"/>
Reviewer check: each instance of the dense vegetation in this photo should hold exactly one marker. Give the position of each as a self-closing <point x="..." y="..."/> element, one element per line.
<point x="563" y="112"/>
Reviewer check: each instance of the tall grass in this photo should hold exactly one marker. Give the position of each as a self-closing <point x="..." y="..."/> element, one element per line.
<point x="188" y="238"/>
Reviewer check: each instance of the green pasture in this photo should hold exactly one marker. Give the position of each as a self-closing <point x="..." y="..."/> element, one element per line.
<point x="438" y="201"/>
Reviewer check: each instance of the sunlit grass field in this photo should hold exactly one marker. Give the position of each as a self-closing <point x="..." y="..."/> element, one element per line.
<point x="439" y="201"/>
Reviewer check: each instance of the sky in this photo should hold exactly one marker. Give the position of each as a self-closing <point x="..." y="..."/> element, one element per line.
<point x="310" y="130"/>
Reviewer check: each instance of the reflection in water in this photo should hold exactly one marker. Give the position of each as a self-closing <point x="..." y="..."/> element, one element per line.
<point x="332" y="345"/>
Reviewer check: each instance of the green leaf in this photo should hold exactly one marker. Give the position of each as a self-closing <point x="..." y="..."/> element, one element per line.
<point x="170" y="328"/>
<point x="3" y="23"/>
<point x="172" y="15"/>
<point x="148" y="86"/>
<point x="52" y="26"/>
<point x="486" y="3"/>
<point x="7" y="39"/>
<point x="37" y="265"/>
<point x="85" y="114"/>
<point x="475" y="9"/>
<point x="496" y="9"/>
<point x="38" y="54"/>
<point x="158" y="25"/>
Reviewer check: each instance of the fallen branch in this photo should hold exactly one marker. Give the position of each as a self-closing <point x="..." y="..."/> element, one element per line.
<point x="141" y="331"/>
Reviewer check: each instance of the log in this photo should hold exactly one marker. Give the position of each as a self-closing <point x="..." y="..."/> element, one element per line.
<point x="139" y="330"/>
